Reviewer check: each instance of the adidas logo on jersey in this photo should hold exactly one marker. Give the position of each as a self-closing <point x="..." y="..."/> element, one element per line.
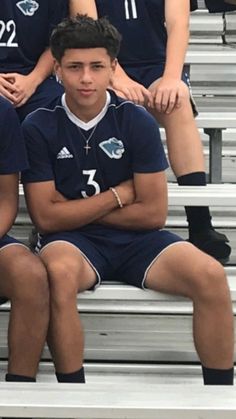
<point x="28" y="7"/>
<point x="64" y="154"/>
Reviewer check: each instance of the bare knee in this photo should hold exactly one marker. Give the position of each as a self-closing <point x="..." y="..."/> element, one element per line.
<point x="64" y="281"/>
<point x="29" y="282"/>
<point x="209" y="283"/>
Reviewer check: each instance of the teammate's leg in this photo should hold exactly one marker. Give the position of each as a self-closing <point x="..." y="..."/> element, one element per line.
<point x="186" y="158"/>
<point x="23" y="280"/>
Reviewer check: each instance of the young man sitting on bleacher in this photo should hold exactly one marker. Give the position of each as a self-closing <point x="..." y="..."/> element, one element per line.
<point x="23" y="278"/>
<point x="97" y="192"/>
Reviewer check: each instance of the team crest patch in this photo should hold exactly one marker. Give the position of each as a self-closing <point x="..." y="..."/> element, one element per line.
<point x="113" y="148"/>
<point x="28" y="7"/>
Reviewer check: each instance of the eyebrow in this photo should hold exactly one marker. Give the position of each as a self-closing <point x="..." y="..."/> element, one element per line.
<point x="81" y="62"/>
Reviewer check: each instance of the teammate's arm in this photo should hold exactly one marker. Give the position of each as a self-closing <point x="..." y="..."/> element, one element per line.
<point x="27" y="84"/>
<point x="83" y="7"/>
<point x="150" y="208"/>
<point x="8" y="201"/>
<point x="129" y="89"/>
<point x="168" y="91"/>
<point x="51" y="212"/>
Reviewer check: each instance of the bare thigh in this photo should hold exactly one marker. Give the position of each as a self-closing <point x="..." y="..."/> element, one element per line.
<point x="181" y="269"/>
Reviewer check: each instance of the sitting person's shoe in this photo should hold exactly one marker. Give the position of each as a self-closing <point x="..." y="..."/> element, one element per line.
<point x="213" y="243"/>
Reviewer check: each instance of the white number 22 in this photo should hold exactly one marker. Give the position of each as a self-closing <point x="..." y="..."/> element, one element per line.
<point x="9" y="27"/>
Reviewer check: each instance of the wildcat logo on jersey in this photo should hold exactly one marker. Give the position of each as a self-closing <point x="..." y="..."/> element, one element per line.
<point x="113" y="148"/>
<point x="28" y="7"/>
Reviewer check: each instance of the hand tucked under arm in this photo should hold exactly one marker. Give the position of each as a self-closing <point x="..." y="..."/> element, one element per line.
<point x="149" y="209"/>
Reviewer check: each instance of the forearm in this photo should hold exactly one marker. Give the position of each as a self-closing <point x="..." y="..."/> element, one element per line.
<point x="72" y="214"/>
<point x="176" y="50"/>
<point x="136" y="216"/>
<point x="43" y="68"/>
<point x="83" y="7"/>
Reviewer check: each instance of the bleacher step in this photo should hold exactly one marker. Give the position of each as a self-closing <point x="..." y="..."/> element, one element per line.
<point x="117" y="401"/>
<point x="124" y="373"/>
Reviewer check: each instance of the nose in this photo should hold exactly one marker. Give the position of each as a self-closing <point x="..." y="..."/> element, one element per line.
<point x="86" y="76"/>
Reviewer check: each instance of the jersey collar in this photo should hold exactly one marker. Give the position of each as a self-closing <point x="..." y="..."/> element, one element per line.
<point x="86" y="125"/>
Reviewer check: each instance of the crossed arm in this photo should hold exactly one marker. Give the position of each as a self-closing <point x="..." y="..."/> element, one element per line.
<point x="8" y="201"/>
<point x="144" y="200"/>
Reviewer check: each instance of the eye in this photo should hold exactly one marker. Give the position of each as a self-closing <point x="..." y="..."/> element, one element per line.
<point x="74" y="66"/>
<point x="97" y="66"/>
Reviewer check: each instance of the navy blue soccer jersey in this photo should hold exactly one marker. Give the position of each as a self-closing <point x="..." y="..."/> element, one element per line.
<point x="122" y="140"/>
<point x="25" y="29"/>
<point x="12" y="148"/>
<point x="142" y="25"/>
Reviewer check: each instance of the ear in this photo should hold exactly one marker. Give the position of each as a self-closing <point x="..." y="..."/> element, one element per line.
<point x="113" y="68"/>
<point x="57" y="70"/>
<point x="114" y="64"/>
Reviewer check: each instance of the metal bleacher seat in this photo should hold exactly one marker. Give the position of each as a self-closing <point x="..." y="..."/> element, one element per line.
<point x="212" y="60"/>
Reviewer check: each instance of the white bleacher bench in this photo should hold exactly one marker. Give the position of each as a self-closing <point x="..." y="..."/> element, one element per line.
<point x="213" y="194"/>
<point x="101" y="401"/>
<point x="212" y="59"/>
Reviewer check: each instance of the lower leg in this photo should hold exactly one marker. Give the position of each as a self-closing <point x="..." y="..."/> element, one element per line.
<point x="65" y="338"/>
<point x="69" y="273"/>
<point x="28" y="291"/>
<point x="187" y="161"/>
<point x="213" y="336"/>
<point x="184" y="270"/>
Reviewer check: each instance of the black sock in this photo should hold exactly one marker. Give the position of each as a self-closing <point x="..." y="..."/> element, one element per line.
<point x="198" y="218"/>
<point x="218" y="377"/>
<point x="19" y="378"/>
<point x="72" y="377"/>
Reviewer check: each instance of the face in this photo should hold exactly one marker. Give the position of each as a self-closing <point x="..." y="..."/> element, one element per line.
<point x="85" y="74"/>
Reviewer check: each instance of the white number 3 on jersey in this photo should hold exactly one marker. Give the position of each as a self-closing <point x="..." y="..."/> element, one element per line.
<point x="91" y="174"/>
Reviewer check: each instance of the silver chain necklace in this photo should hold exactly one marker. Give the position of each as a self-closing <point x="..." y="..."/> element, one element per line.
<point x="87" y="147"/>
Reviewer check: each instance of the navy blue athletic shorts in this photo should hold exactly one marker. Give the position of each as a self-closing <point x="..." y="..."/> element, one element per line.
<point x="114" y="254"/>
<point x="146" y="75"/>
<point x="47" y="95"/>
<point x="7" y="241"/>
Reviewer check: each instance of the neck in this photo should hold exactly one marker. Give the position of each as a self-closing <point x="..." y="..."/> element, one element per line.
<point x="86" y="113"/>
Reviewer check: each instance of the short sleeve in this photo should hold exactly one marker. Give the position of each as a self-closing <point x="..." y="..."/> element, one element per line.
<point x="40" y="168"/>
<point x="13" y="158"/>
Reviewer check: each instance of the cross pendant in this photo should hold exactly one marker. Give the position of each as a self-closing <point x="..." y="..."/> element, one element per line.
<point x="87" y="148"/>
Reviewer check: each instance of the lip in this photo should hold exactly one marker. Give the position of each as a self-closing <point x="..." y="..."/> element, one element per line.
<point x="86" y="93"/>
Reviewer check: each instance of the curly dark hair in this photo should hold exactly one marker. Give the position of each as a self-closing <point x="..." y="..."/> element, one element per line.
<point x="83" y="32"/>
